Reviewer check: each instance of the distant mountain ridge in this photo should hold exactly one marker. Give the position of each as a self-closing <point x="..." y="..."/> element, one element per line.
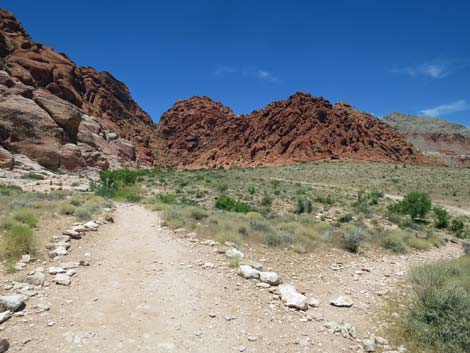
<point x="413" y="123"/>
<point x="440" y="138"/>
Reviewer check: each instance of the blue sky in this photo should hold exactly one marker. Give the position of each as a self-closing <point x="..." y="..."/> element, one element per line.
<point x="380" y="56"/>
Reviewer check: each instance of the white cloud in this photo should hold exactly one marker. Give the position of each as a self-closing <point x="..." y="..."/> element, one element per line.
<point x="457" y="106"/>
<point x="428" y="70"/>
<point x="260" y="74"/>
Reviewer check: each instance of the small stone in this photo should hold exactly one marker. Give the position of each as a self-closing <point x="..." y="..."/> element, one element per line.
<point x="208" y="265"/>
<point x="369" y="344"/>
<point x="234" y="254"/>
<point x="270" y="277"/>
<point x="263" y="285"/>
<point x="26" y="259"/>
<point x="4" y="345"/>
<point x="252" y="338"/>
<point x="36" y="279"/>
<point x="242" y="348"/>
<point x="313" y="302"/>
<point x="212" y="315"/>
<point x="62" y="279"/>
<point x="50" y="323"/>
<point x="342" y="301"/>
<point x="4" y="316"/>
<point x="55" y="270"/>
<point x="72" y="234"/>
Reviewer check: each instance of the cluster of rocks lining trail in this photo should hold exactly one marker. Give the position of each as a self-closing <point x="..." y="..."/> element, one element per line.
<point x="149" y="289"/>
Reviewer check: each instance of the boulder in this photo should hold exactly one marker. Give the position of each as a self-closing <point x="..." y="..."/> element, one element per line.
<point x="12" y="302"/>
<point x="292" y="298"/>
<point x="4" y="345"/>
<point x="271" y="278"/>
<point x="71" y="157"/>
<point x="72" y="234"/>
<point x="4" y="316"/>
<point x="248" y="272"/>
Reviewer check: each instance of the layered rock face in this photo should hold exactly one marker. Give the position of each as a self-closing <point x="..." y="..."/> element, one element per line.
<point x="439" y="138"/>
<point x="63" y="115"/>
<point x="199" y="133"/>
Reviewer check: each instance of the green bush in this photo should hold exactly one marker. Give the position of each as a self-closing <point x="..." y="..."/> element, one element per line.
<point x="416" y="205"/>
<point x="394" y="241"/>
<point x="226" y="203"/>
<point x="267" y="201"/>
<point x="442" y="217"/>
<point x="199" y="214"/>
<point x="18" y="241"/>
<point x="438" y="315"/>
<point x="34" y="176"/>
<point x="167" y="198"/>
<point x="457" y="225"/>
<point x="26" y="216"/>
<point x="7" y="223"/>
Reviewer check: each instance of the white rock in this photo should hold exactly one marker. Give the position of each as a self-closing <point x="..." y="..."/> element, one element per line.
<point x="72" y="234"/>
<point x="69" y="265"/>
<point x="271" y="278"/>
<point x="369" y="344"/>
<point x="248" y="272"/>
<point x="55" y="270"/>
<point x="234" y="254"/>
<point x="60" y="239"/>
<point x="313" y="302"/>
<point x="292" y="298"/>
<point x="36" y="279"/>
<point x="62" y="279"/>
<point x="26" y="259"/>
<point x="12" y="302"/>
<point x="71" y="272"/>
<point x="208" y="265"/>
<point x="342" y="301"/>
<point x="263" y="285"/>
<point x="91" y="225"/>
<point x="60" y="251"/>
<point x="4" y="316"/>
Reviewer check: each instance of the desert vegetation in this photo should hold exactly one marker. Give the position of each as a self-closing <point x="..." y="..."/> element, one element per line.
<point x="253" y="205"/>
<point x="23" y="213"/>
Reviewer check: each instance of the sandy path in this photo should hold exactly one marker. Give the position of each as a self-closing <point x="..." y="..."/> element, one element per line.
<point x="145" y="291"/>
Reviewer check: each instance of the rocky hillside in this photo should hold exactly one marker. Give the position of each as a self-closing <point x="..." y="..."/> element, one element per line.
<point x="199" y="132"/>
<point x="63" y="115"/>
<point x="436" y="137"/>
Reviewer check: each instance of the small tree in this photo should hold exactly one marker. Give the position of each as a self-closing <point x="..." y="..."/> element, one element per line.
<point x="442" y="217"/>
<point x="416" y="205"/>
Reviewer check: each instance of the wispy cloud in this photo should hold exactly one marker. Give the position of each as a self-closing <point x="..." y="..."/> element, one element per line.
<point x="260" y="74"/>
<point x="457" y="106"/>
<point x="434" y="71"/>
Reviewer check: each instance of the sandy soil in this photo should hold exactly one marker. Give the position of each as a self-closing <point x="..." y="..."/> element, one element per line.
<point x="146" y="291"/>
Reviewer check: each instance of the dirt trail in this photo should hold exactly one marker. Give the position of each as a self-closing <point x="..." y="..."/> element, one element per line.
<point x="145" y="291"/>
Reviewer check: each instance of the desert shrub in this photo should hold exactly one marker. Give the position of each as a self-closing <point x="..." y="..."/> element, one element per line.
<point x="351" y="238"/>
<point x="303" y="206"/>
<point x="113" y="180"/>
<point x="251" y="190"/>
<point x="76" y="201"/>
<point x="345" y="218"/>
<point x="67" y="209"/>
<point x="393" y="241"/>
<point x="442" y="217"/>
<point x="199" y="214"/>
<point x="26" y="216"/>
<point x="8" y="190"/>
<point x="227" y="203"/>
<point x="7" y="223"/>
<point x="222" y="188"/>
<point x="82" y="213"/>
<point x="19" y="240"/>
<point x="457" y="226"/>
<point x="167" y="198"/>
<point x="417" y="243"/>
<point x="438" y="315"/>
<point x="267" y="200"/>
<point x="416" y="205"/>
<point x="34" y="176"/>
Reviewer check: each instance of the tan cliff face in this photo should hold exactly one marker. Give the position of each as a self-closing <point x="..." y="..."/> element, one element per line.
<point x="63" y="115"/>
<point x="68" y="117"/>
<point x="202" y="133"/>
